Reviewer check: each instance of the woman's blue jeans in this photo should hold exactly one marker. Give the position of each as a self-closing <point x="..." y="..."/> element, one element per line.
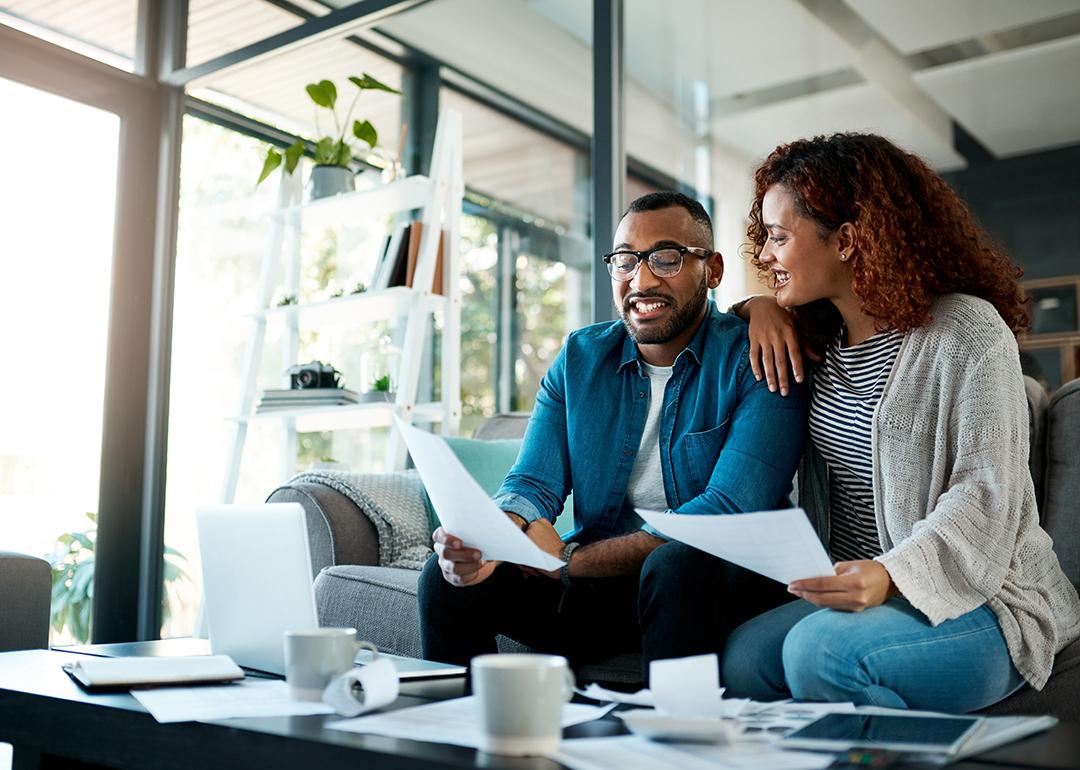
<point x="888" y="655"/>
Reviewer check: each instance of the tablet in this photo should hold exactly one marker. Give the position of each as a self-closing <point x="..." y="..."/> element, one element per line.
<point x="838" y="732"/>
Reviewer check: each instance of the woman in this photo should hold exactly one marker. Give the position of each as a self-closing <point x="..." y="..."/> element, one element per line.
<point x="947" y="593"/>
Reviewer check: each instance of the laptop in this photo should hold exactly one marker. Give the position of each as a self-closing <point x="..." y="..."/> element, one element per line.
<point x="257" y="585"/>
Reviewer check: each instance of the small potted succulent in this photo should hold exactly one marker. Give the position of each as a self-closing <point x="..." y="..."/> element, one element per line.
<point x="334" y="152"/>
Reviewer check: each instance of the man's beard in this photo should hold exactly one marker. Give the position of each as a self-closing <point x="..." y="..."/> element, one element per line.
<point x="681" y="317"/>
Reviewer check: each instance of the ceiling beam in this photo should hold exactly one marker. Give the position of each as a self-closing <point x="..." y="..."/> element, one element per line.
<point x="880" y="63"/>
<point x="335" y="24"/>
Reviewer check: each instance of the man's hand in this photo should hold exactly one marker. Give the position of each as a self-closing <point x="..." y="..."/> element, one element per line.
<point x="857" y="586"/>
<point x="460" y="566"/>
<point x="544" y="535"/>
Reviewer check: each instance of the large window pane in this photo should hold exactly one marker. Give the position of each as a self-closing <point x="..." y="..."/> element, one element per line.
<point x="56" y="246"/>
<point x="101" y="29"/>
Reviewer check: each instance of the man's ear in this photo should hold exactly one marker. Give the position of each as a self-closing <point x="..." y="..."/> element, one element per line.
<point x="715" y="266"/>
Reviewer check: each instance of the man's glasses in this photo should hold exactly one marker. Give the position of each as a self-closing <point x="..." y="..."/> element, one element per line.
<point x="664" y="261"/>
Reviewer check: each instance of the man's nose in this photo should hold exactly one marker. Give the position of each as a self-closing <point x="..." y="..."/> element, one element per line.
<point x="644" y="279"/>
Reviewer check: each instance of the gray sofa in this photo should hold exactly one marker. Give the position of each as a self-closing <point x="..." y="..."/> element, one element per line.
<point x="352" y="590"/>
<point x="25" y="591"/>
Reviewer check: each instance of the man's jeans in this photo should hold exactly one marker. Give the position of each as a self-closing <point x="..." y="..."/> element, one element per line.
<point x="888" y="655"/>
<point x="684" y="602"/>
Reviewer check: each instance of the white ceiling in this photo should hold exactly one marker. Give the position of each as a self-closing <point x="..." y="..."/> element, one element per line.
<point x="1014" y="102"/>
<point x="863" y="107"/>
<point x="916" y="25"/>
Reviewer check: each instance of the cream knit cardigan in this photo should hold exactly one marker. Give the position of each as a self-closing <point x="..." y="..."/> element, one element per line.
<point x="953" y="496"/>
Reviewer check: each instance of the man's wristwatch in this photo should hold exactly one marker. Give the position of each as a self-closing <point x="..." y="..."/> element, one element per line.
<point x="564" y="570"/>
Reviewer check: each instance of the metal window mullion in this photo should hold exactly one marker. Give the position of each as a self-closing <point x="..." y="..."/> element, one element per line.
<point x="608" y="151"/>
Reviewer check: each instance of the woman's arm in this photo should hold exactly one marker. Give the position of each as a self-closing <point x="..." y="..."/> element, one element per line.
<point x="773" y="342"/>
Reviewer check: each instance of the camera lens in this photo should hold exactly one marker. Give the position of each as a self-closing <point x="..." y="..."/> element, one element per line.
<point x="307" y="378"/>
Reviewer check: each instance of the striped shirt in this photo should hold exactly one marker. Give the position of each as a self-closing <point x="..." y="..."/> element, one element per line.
<point x="847" y="388"/>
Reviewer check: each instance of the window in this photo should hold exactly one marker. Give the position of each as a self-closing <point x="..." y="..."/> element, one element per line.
<point x="55" y="313"/>
<point x="103" y="30"/>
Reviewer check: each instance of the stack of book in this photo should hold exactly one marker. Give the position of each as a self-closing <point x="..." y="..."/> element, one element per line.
<point x="285" y="398"/>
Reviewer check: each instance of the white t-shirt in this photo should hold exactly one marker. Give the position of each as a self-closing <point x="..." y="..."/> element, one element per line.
<point x="646" y="488"/>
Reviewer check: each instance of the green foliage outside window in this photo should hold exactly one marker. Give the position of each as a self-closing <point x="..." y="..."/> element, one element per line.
<point x="73" y="580"/>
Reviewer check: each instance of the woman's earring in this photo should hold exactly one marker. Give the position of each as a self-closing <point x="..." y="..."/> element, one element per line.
<point x="843" y="257"/>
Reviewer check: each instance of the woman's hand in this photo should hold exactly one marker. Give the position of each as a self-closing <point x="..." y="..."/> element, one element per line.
<point x="856" y="586"/>
<point x="774" y="341"/>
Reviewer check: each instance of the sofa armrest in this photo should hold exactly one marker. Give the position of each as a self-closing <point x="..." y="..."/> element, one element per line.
<point x="338" y="532"/>
<point x="25" y="592"/>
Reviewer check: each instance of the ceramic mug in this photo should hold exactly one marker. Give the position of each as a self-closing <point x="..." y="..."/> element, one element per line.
<point x="520" y="699"/>
<point x="315" y="656"/>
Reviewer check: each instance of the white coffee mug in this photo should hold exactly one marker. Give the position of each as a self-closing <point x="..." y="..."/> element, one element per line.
<point x="314" y="656"/>
<point x="520" y="698"/>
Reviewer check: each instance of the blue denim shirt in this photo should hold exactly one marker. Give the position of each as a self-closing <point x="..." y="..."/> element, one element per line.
<point x="727" y="444"/>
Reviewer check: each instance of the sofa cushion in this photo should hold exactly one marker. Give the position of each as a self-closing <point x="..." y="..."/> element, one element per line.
<point x="379" y="602"/>
<point x="1060" y="511"/>
<point x="1058" y="697"/>
<point x="1036" y="399"/>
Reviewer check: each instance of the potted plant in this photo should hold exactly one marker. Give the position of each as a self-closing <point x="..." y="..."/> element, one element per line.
<point x="333" y="152"/>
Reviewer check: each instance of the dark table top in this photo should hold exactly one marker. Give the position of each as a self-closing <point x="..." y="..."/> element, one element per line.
<point x="43" y="710"/>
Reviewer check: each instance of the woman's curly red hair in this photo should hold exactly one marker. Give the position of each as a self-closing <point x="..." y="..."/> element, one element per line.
<point x="916" y="238"/>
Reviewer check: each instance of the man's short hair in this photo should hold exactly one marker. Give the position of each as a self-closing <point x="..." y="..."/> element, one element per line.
<point x="666" y="199"/>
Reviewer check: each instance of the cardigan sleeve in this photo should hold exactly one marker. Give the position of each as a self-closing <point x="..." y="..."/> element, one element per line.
<point x="958" y="556"/>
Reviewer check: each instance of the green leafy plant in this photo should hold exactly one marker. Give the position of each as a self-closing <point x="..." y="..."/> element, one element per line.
<point x="73" y="580"/>
<point x="382" y="384"/>
<point x="334" y="149"/>
<point x="359" y="288"/>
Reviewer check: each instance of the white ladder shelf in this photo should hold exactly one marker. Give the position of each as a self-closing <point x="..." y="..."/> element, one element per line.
<point x="439" y="197"/>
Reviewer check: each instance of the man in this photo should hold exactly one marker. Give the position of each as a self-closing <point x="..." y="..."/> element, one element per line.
<point x="659" y="411"/>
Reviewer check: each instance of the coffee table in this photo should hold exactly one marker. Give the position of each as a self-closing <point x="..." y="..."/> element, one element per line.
<point x="52" y="723"/>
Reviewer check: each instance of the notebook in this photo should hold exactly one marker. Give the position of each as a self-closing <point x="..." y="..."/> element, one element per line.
<point x="126" y="673"/>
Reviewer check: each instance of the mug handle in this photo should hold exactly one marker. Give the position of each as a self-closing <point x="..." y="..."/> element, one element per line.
<point x="367" y="646"/>
<point x="569" y="683"/>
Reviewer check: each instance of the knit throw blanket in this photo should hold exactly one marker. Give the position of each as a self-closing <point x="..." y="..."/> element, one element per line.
<point x="394" y="503"/>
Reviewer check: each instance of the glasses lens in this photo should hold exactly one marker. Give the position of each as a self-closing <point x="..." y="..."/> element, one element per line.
<point x="622" y="265"/>
<point x="665" y="262"/>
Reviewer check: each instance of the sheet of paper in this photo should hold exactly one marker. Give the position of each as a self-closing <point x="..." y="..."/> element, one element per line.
<point x="243" y="699"/>
<point x="464" y="508"/>
<point x="631" y="752"/>
<point x="771" y="721"/>
<point x="778" y="544"/>
<point x="686" y="686"/>
<point x="455" y="721"/>
<point x="642" y="697"/>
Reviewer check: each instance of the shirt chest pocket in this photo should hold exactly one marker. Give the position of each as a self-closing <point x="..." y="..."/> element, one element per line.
<point x="702" y="451"/>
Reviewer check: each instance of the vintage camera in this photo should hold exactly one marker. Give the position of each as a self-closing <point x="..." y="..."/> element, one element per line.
<point x="314" y="374"/>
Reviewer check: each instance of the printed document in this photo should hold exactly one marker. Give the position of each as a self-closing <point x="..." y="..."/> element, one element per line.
<point x="777" y="544"/>
<point x="243" y="699"/>
<point x="455" y="721"/>
<point x="464" y="509"/>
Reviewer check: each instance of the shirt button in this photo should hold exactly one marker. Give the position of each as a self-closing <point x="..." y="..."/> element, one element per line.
<point x="641" y="394"/>
<point x="627" y="452"/>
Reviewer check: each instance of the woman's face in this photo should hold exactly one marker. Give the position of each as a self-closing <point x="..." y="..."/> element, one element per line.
<point x="805" y="265"/>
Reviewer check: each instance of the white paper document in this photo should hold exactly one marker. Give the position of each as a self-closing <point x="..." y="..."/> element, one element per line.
<point x="642" y="697"/>
<point x="243" y="699"/>
<point x="778" y="544"/>
<point x="687" y="686"/>
<point x="632" y="752"/>
<point x="455" y="721"/>
<point x="464" y="509"/>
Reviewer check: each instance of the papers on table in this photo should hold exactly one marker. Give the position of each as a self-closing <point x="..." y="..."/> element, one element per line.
<point x="687" y="686"/>
<point x="640" y="698"/>
<point x="464" y="509"/>
<point x="778" y="544"/>
<point x="243" y="699"/>
<point x="455" y="721"/>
